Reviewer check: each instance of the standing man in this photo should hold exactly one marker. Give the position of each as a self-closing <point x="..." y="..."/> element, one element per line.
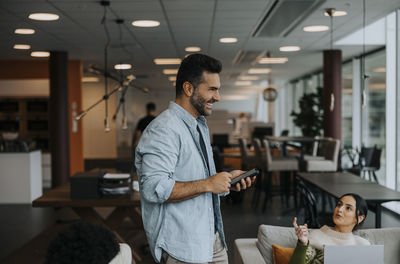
<point x="179" y="186"/>
<point x="143" y="123"/>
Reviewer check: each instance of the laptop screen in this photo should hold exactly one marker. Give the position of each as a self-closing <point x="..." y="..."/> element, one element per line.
<point x="372" y="254"/>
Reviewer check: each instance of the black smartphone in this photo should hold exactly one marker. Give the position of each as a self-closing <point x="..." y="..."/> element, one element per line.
<point x="250" y="173"/>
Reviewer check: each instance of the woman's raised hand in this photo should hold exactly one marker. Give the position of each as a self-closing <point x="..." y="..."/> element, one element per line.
<point x="301" y="232"/>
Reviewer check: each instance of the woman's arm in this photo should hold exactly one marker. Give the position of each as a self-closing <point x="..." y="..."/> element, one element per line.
<point x="299" y="254"/>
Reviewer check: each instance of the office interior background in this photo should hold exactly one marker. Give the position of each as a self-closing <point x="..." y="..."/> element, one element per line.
<point x="242" y="34"/>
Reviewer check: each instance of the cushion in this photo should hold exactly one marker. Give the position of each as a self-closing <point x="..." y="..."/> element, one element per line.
<point x="281" y="255"/>
<point x="268" y="235"/>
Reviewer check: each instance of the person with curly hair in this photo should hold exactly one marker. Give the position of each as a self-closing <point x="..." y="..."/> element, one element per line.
<point x="86" y="243"/>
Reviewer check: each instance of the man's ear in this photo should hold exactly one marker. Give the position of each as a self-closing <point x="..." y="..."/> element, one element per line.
<point x="188" y="89"/>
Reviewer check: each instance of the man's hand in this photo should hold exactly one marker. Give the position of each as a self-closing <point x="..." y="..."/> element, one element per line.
<point x="301" y="232"/>
<point x="244" y="183"/>
<point x="219" y="183"/>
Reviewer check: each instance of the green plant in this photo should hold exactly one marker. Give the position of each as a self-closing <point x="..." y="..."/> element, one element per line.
<point x="311" y="115"/>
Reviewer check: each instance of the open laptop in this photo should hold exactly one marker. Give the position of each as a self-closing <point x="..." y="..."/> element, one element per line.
<point x="353" y="254"/>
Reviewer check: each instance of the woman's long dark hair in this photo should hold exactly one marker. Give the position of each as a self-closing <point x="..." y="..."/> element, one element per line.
<point x="361" y="207"/>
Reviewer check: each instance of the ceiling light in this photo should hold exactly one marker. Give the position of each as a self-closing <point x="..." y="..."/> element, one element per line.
<point x="273" y="60"/>
<point x="24" y="31"/>
<point x="40" y="54"/>
<point x="22" y="46"/>
<point x="167" y="61"/>
<point x="43" y="16"/>
<point x="380" y="69"/>
<point x="90" y="79"/>
<point x="123" y="66"/>
<point x="243" y="83"/>
<point x="192" y="49"/>
<point x="145" y="23"/>
<point x="248" y="78"/>
<point x="318" y="28"/>
<point x="228" y="40"/>
<point x="259" y="71"/>
<point x="337" y="13"/>
<point x="170" y="71"/>
<point x="172" y="78"/>
<point x="289" y="48"/>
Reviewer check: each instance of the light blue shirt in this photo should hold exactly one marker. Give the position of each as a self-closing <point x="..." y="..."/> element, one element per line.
<point x="169" y="150"/>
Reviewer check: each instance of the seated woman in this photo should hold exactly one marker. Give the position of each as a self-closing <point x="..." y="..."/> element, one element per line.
<point x="351" y="210"/>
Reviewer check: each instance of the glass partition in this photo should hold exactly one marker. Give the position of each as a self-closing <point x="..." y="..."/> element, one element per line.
<point x="347" y="104"/>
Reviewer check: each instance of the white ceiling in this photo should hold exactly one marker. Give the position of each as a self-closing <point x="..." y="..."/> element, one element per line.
<point x="183" y="23"/>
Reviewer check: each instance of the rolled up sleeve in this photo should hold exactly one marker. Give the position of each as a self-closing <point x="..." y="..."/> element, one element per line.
<point x="156" y="158"/>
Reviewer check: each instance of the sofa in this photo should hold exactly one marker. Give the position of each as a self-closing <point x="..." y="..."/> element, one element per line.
<point x="259" y="250"/>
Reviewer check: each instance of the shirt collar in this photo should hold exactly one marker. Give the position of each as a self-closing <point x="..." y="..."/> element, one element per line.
<point x="186" y="116"/>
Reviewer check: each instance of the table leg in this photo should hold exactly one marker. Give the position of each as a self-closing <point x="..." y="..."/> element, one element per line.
<point x="378" y="215"/>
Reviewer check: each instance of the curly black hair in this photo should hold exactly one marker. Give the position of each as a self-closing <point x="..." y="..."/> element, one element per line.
<point x="83" y="243"/>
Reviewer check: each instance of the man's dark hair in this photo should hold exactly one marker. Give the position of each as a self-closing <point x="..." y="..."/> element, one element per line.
<point x="83" y="243"/>
<point x="150" y="107"/>
<point x="192" y="68"/>
<point x="361" y="207"/>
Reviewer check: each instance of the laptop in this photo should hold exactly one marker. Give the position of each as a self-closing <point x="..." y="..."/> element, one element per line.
<point x="372" y="254"/>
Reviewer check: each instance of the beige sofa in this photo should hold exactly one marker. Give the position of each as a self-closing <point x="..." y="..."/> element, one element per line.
<point x="259" y="250"/>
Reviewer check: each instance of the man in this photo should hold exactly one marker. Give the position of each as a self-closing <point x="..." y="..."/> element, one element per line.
<point x="143" y="123"/>
<point x="179" y="187"/>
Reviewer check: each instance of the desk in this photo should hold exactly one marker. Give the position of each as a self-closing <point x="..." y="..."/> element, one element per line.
<point x="124" y="207"/>
<point x="286" y="140"/>
<point x="338" y="183"/>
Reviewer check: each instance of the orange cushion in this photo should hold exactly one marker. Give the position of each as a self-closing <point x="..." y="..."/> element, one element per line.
<point x="281" y="255"/>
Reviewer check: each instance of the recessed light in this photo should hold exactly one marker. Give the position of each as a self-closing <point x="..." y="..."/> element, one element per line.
<point x="170" y="71"/>
<point x="273" y="60"/>
<point x="380" y="69"/>
<point x="40" y="54"/>
<point x="43" y="16"/>
<point x="192" y="49"/>
<point x="318" y="28"/>
<point x="289" y="48"/>
<point x="172" y="78"/>
<point x="169" y="61"/>
<point x="248" y="78"/>
<point x="123" y="66"/>
<point x="259" y="71"/>
<point x="228" y="40"/>
<point x="90" y="79"/>
<point x="24" y="31"/>
<point x="145" y="23"/>
<point x="22" y="46"/>
<point x="337" y="13"/>
<point x="243" y="83"/>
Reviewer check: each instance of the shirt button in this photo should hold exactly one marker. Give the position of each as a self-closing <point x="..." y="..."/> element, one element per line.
<point x="209" y="209"/>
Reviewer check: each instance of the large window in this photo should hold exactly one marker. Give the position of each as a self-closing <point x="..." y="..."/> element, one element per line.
<point x="374" y="110"/>
<point x="347" y="104"/>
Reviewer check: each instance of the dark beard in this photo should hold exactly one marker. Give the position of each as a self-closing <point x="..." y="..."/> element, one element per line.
<point x="199" y="103"/>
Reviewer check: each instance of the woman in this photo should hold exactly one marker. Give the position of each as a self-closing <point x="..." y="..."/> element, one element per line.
<point x="350" y="211"/>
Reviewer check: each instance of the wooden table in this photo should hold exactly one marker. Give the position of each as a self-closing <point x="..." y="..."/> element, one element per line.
<point x="339" y="183"/>
<point x="125" y="206"/>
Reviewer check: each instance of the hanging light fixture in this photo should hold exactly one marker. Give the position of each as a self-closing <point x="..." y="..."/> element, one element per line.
<point x="270" y="94"/>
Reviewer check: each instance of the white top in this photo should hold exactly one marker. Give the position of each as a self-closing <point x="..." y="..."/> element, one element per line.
<point x="327" y="236"/>
<point x="124" y="255"/>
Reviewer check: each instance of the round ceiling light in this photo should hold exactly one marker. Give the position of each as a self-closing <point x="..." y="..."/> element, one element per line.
<point x="228" y="40"/>
<point x="192" y="49"/>
<point x="123" y="66"/>
<point x="22" y="46"/>
<point x="145" y="23"/>
<point x="40" y="54"/>
<point x="43" y="16"/>
<point x="24" y="31"/>
<point x="289" y="48"/>
<point x="318" y="28"/>
<point x="337" y="13"/>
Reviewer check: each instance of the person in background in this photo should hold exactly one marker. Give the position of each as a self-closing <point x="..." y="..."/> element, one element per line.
<point x="350" y="211"/>
<point x="179" y="186"/>
<point x="86" y="243"/>
<point x="143" y="123"/>
<point x="241" y="126"/>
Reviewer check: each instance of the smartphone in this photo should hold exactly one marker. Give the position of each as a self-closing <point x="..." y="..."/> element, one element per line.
<point x="250" y="173"/>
